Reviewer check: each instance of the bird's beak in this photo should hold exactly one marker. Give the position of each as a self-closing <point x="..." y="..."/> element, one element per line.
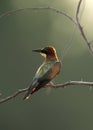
<point x="37" y="50"/>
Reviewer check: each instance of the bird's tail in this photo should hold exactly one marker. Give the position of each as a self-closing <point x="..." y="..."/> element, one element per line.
<point x="27" y="96"/>
<point x="29" y="93"/>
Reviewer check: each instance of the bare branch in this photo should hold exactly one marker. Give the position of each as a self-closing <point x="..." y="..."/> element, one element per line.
<point x="81" y="28"/>
<point x="13" y="95"/>
<point x="81" y="83"/>
<point x="8" y="13"/>
<point x="77" y="22"/>
<point x="69" y="83"/>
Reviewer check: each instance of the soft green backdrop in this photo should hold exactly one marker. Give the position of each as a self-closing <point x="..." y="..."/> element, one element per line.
<point x="61" y="109"/>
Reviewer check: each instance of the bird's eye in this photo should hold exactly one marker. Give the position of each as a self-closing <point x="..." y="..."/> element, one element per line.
<point x="44" y="51"/>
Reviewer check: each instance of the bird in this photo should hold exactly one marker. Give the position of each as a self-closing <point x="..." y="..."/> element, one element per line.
<point x="46" y="72"/>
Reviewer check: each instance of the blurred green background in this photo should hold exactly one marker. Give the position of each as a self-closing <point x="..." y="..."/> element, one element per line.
<point x="63" y="109"/>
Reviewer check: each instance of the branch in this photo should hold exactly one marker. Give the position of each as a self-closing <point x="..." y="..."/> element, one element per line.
<point x="8" y="13"/>
<point x="13" y="95"/>
<point x="81" y="29"/>
<point x="69" y="83"/>
<point x="77" y="22"/>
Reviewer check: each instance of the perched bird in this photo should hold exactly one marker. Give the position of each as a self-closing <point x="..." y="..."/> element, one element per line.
<point x="46" y="72"/>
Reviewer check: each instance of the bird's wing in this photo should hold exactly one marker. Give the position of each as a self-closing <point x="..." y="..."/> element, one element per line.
<point x="37" y="83"/>
<point x="43" y="76"/>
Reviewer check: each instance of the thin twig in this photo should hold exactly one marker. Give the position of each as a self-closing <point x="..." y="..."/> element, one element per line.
<point x="38" y="9"/>
<point x="77" y="22"/>
<point x="81" y="83"/>
<point x="81" y="28"/>
<point x="13" y="95"/>
<point x="69" y="83"/>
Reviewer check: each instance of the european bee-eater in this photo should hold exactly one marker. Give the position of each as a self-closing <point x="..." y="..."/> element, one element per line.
<point x="46" y="72"/>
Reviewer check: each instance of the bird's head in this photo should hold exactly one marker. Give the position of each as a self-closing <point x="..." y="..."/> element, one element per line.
<point x="48" y="52"/>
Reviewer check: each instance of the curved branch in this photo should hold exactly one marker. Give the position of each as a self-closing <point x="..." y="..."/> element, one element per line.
<point x="38" y="9"/>
<point x="81" y="28"/>
<point x="69" y="83"/>
<point x="77" y="22"/>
